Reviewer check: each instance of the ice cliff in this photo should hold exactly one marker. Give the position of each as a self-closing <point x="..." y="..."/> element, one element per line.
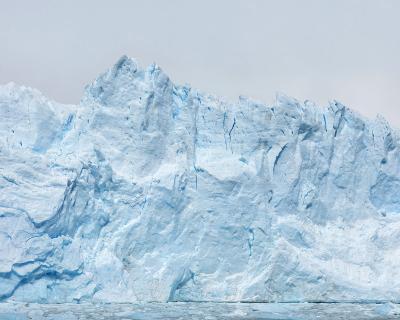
<point x="150" y="191"/>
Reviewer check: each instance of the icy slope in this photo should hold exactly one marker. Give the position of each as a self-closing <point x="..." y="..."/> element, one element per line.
<point x="148" y="191"/>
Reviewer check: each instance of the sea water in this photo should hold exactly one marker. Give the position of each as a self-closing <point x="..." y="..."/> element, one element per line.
<point x="206" y="310"/>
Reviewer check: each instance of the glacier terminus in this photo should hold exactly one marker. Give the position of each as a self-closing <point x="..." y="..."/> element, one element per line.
<point x="150" y="191"/>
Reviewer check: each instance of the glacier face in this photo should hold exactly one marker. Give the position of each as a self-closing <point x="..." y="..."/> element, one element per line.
<point x="149" y="191"/>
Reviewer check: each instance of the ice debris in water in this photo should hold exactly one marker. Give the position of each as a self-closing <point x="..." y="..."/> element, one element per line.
<point x="149" y="191"/>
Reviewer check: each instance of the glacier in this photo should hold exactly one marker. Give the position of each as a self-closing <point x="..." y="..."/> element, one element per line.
<point x="151" y="191"/>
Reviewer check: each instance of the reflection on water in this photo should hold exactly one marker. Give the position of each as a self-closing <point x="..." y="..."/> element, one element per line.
<point x="206" y="310"/>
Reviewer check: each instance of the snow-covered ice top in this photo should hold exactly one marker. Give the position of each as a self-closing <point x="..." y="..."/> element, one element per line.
<point x="149" y="191"/>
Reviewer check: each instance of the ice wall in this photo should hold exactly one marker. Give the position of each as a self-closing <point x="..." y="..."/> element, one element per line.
<point x="149" y="191"/>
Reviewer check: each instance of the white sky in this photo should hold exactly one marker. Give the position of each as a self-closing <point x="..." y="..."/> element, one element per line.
<point x="309" y="49"/>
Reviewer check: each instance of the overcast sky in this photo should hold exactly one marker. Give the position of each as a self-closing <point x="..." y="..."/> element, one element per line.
<point x="309" y="49"/>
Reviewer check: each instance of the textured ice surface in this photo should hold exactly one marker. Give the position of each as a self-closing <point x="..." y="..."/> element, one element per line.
<point x="149" y="191"/>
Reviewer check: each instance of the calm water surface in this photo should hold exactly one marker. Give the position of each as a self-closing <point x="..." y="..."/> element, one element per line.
<point x="203" y="311"/>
